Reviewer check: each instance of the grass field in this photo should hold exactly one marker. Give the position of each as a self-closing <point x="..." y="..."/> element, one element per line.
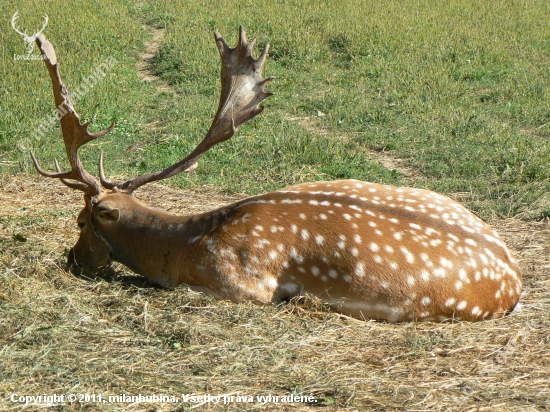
<point x="458" y="90"/>
<point x="457" y="93"/>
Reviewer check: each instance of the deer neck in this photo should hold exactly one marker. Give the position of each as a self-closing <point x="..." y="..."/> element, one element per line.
<point x="162" y="246"/>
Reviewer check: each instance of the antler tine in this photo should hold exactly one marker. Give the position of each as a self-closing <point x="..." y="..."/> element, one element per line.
<point x="74" y="134"/>
<point x="58" y="175"/>
<point x="104" y="182"/>
<point x="242" y="92"/>
<point x="72" y="185"/>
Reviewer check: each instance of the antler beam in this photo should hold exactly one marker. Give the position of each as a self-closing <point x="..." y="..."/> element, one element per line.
<point x="75" y="134"/>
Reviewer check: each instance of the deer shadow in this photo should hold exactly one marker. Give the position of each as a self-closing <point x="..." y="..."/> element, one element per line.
<point x="112" y="275"/>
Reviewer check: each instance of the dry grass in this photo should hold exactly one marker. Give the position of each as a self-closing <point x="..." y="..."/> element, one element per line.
<point x="114" y="333"/>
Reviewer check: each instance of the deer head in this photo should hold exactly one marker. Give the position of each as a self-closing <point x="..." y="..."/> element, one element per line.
<point x="28" y="39"/>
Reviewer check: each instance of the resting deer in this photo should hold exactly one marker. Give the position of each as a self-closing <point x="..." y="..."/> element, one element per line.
<point x="368" y="250"/>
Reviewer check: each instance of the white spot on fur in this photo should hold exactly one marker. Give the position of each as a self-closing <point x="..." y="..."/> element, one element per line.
<point x="360" y="269"/>
<point x="425" y="275"/>
<point x="294" y="255"/>
<point x="446" y="263"/>
<point x="450" y="302"/>
<point x="289" y="287"/>
<point x="271" y="282"/>
<point x="408" y="255"/>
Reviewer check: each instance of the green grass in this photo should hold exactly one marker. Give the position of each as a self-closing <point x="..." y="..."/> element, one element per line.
<point x="84" y="36"/>
<point x="459" y="89"/>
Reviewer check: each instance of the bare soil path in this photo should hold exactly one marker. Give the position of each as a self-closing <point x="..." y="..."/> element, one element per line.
<point x="147" y="58"/>
<point x="389" y="161"/>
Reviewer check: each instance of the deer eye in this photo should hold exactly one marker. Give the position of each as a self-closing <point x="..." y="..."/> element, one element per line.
<point x="81" y="224"/>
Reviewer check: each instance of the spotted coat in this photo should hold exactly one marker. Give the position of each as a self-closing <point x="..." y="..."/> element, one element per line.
<point x="369" y="250"/>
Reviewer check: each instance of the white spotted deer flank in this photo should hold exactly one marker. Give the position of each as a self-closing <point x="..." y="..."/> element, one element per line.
<point x="368" y="250"/>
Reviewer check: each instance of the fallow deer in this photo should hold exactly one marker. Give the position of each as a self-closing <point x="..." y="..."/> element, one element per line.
<point x="368" y="250"/>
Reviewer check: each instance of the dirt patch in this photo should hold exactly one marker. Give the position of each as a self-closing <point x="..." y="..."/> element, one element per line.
<point x="389" y="161"/>
<point x="147" y="58"/>
<point x="111" y="332"/>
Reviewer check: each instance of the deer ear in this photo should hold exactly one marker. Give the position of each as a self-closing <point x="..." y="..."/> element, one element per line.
<point x="108" y="216"/>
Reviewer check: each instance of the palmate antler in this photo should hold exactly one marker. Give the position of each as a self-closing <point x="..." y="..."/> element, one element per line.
<point x="242" y="92"/>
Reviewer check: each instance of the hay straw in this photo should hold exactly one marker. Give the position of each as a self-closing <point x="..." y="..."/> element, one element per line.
<point x="113" y="332"/>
